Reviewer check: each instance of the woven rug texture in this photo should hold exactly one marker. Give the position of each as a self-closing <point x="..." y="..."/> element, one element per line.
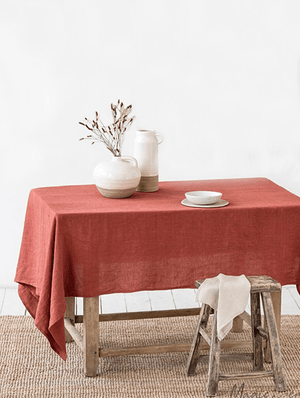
<point x="29" y="367"/>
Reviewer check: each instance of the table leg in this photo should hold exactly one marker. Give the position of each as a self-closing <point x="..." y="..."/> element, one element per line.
<point x="70" y="313"/>
<point x="91" y="335"/>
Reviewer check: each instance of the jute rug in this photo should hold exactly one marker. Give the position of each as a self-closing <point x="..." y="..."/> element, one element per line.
<point x="29" y="368"/>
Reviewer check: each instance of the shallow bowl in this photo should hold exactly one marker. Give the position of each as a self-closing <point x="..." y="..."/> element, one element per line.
<point x="203" y="197"/>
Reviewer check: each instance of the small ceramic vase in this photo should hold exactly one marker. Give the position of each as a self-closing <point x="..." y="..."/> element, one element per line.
<point x="117" y="178"/>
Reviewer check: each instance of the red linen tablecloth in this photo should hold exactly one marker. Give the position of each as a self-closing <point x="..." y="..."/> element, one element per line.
<point x="78" y="243"/>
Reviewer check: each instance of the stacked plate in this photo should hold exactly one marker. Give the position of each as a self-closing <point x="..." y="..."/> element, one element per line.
<point x="204" y="199"/>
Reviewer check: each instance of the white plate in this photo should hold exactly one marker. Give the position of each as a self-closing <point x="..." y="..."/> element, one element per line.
<point x="219" y="203"/>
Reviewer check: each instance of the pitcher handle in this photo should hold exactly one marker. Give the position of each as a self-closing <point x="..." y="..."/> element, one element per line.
<point x="130" y="159"/>
<point x="159" y="138"/>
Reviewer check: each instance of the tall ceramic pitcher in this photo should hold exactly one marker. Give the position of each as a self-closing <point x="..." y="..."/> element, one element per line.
<point x="146" y="154"/>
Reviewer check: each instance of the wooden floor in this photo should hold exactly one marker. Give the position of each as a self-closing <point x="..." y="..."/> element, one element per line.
<point x="10" y="303"/>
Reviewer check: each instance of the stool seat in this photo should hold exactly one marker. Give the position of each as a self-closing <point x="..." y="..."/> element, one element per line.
<point x="261" y="283"/>
<point x="261" y="287"/>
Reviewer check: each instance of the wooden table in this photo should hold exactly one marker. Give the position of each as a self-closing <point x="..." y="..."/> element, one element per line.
<point x="89" y="342"/>
<point x="77" y="243"/>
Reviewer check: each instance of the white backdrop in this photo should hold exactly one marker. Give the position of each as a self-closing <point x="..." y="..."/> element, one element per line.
<point x="219" y="79"/>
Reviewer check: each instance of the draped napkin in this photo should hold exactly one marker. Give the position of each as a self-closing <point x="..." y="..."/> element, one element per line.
<point x="228" y="295"/>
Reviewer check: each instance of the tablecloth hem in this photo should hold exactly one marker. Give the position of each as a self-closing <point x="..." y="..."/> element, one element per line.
<point x="30" y="300"/>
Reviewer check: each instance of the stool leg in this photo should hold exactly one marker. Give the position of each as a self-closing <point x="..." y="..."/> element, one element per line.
<point x="237" y="326"/>
<point x="274" y="342"/>
<point x="193" y="355"/>
<point x="276" y="300"/>
<point x="69" y="313"/>
<point x="91" y="335"/>
<point x="256" y="337"/>
<point x="214" y="362"/>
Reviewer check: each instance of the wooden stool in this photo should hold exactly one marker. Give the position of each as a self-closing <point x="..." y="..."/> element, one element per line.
<point x="260" y="286"/>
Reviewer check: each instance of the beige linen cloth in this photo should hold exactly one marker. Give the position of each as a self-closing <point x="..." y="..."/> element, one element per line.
<point x="228" y="295"/>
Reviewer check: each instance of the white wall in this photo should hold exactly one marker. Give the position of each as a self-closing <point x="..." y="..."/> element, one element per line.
<point x="219" y="79"/>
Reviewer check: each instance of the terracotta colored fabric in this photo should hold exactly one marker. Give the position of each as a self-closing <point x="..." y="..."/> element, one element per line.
<point x="78" y="243"/>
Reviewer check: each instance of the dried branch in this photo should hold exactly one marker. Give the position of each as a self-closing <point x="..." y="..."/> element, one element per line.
<point x="112" y="135"/>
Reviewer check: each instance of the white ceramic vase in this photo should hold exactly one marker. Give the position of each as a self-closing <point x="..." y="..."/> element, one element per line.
<point x="117" y="178"/>
<point x="146" y="153"/>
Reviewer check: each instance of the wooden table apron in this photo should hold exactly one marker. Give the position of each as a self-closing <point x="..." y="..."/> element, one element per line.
<point x="77" y="243"/>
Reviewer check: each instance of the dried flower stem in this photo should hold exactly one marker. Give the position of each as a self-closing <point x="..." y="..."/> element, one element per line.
<point x="112" y="135"/>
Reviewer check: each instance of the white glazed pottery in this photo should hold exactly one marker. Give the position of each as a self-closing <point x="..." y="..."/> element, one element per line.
<point x="118" y="178"/>
<point x="146" y="154"/>
<point x="219" y="203"/>
<point x="203" y="197"/>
